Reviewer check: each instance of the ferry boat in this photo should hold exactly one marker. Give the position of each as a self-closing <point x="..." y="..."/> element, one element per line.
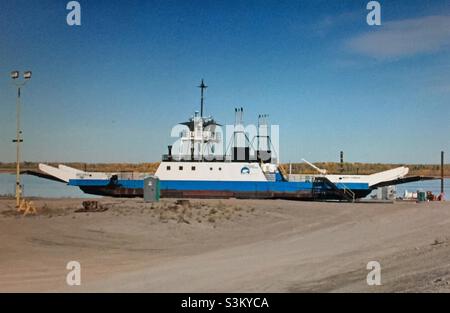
<point x="244" y="171"/>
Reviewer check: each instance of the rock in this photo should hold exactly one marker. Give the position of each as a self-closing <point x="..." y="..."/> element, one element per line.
<point x="91" y="206"/>
<point x="183" y="202"/>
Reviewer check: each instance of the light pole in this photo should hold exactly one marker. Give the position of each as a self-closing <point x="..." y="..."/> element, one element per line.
<point x="19" y="84"/>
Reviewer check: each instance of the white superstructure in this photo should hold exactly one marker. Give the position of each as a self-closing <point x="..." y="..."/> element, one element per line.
<point x="214" y="171"/>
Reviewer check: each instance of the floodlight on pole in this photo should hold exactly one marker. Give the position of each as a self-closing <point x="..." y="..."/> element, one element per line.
<point x="18" y="140"/>
<point x="15" y="74"/>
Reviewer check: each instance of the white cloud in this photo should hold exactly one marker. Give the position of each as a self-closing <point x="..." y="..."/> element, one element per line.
<point x="403" y="38"/>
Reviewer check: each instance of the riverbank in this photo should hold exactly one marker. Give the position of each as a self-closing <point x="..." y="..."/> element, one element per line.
<point x="297" y="168"/>
<point x="226" y="245"/>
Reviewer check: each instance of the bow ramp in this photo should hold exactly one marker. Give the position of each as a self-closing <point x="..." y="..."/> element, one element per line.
<point x="66" y="173"/>
<point x="56" y="172"/>
<point x="70" y="169"/>
<point x="389" y="176"/>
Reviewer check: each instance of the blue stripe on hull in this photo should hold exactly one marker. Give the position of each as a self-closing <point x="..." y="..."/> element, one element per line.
<point x="248" y="186"/>
<point x="279" y="186"/>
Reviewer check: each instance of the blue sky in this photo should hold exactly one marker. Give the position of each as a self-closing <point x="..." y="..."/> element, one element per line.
<point x="111" y="89"/>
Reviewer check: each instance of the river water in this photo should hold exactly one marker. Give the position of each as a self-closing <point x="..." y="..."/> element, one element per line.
<point x="427" y="185"/>
<point x="39" y="187"/>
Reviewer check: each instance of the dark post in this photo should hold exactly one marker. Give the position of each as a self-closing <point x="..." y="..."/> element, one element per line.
<point x="202" y="87"/>
<point x="442" y="172"/>
<point x="170" y="153"/>
<point x="342" y="161"/>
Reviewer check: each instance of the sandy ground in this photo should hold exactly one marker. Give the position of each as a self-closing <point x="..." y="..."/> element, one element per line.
<point x="226" y="245"/>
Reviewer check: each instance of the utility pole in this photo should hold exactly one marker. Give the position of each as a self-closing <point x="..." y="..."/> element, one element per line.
<point x="442" y="172"/>
<point x="18" y="140"/>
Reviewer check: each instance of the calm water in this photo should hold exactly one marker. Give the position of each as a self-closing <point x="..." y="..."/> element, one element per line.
<point x="39" y="187"/>
<point x="428" y="185"/>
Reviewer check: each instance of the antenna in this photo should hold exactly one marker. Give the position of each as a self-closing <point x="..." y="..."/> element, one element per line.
<point x="202" y="87"/>
<point x="238" y="116"/>
<point x="263" y="132"/>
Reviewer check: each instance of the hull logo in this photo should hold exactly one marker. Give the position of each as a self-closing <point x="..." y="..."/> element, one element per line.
<point x="245" y="170"/>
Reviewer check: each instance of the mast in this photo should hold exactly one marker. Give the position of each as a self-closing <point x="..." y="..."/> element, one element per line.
<point x="202" y="87"/>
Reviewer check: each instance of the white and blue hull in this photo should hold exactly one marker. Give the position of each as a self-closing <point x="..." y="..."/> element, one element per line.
<point x="219" y="189"/>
